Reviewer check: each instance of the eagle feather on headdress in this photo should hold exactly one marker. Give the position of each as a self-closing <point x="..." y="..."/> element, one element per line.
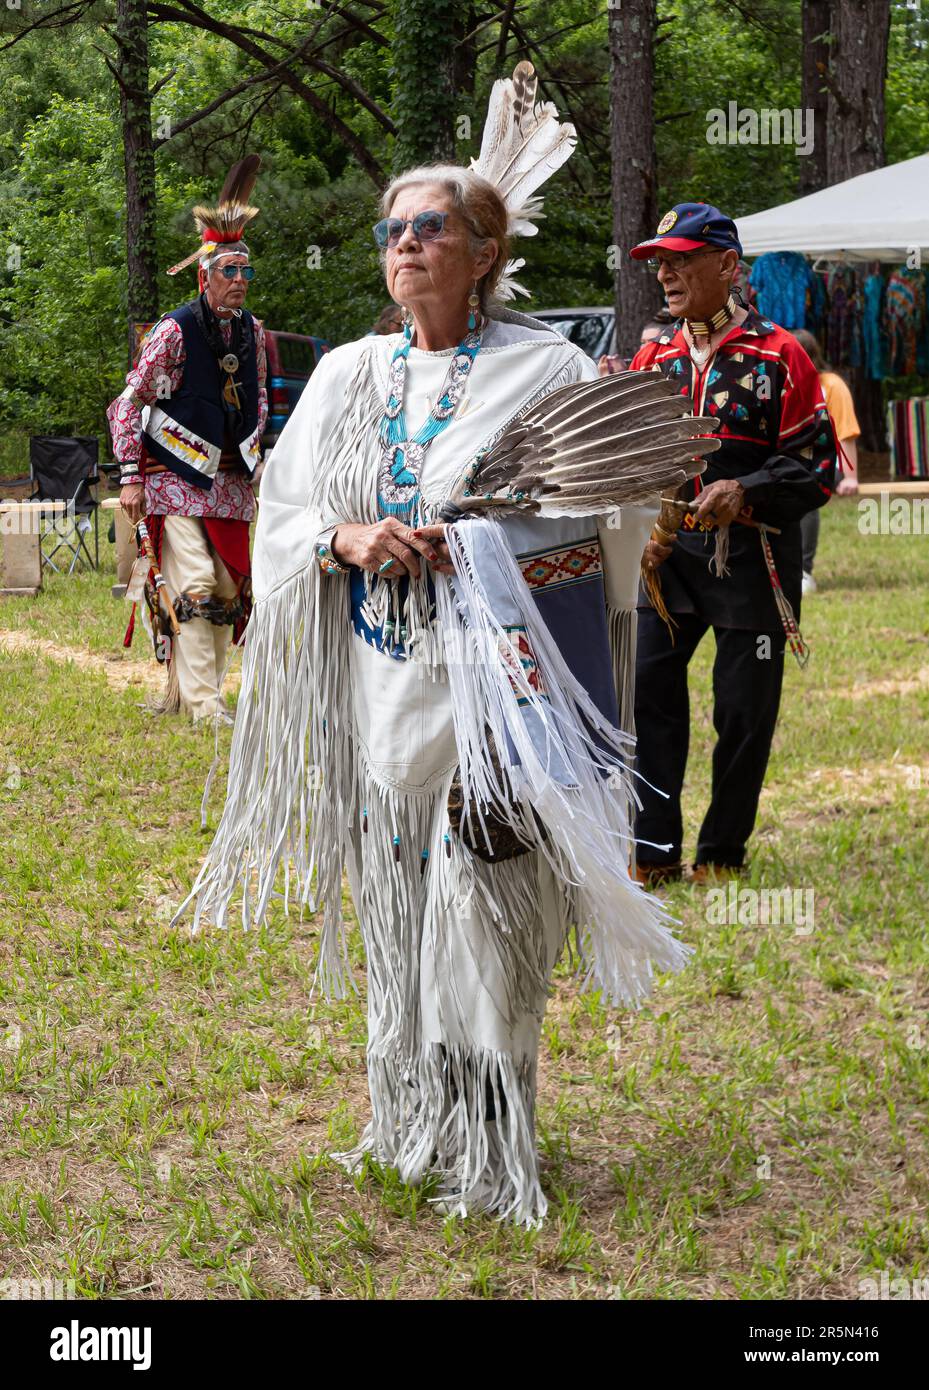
<point x="523" y="144"/>
<point x="231" y="214"/>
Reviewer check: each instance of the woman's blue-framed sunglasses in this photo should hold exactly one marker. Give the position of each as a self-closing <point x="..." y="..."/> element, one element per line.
<point x="426" y="227"/>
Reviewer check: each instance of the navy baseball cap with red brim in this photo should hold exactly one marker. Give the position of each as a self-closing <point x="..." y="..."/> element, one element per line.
<point x="688" y="227"/>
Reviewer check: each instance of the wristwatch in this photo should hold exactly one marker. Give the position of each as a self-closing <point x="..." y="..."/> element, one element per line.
<point x="324" y="556"/>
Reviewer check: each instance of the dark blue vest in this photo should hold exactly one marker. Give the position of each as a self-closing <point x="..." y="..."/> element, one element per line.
<point x="190" y="429"/>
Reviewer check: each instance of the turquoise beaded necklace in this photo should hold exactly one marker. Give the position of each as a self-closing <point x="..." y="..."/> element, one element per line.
<point x="402" y="456"/>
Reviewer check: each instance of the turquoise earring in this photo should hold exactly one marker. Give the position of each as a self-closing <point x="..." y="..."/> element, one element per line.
<point x="474" y="303"/>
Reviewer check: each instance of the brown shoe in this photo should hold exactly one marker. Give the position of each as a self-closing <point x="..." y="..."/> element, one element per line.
<point x="654" y="875"/>
<point x="714" y="873"/>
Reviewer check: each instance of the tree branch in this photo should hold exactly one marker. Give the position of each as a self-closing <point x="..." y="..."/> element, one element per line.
<point x="48" y="21"/>
<point x="760" y="22"/>
<point x="357" y="23"/>
<point x="834" y="90"/>
<point x="504" y="32"/>
<point x="162" y="82"/>
<point x="582" y="133"/>
<point x="244" y="129"/>
<point x="306" y="51"/>
<point x="205" y="111"/>
<point x="208" y="110"/>
<point x="676" y="115"/>
<point x="351" y="86"/>
<point x="199" y="19"/>
<point x="491" y="19"/>
<point x="115" y="71"/>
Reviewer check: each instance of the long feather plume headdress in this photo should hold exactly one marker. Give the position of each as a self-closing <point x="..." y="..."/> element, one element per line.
<point x="223" y="225"/>
<point x="523" y="144"/>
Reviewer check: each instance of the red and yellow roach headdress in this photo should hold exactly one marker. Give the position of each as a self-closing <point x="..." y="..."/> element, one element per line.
<point x="221" y="227"/>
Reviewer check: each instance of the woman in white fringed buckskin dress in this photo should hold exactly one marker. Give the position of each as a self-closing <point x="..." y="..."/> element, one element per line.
<point x="388" y="655"/>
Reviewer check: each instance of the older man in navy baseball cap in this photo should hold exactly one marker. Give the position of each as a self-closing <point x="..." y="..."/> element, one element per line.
<point x="687" y="227"/>
<point x="775" y="463"/>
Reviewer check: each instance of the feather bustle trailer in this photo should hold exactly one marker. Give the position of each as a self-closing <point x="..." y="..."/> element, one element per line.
<point x="590" y="447"/>
<point x="224" y="224"/>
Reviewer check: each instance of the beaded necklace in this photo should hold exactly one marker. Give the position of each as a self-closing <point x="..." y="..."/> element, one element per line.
<point x="700" y="329"/>
<point x="402" y="456"/>
<point x="706" y="329"/>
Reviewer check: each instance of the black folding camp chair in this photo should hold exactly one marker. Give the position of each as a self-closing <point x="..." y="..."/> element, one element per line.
<point x="64" y="471"/>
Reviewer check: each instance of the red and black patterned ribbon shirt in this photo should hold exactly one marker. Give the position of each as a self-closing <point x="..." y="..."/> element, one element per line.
<point x="777" y="441"/>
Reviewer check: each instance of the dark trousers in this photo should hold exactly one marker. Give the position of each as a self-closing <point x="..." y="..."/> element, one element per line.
<point x="746" y="696"/>
<point x="809" y="528"/>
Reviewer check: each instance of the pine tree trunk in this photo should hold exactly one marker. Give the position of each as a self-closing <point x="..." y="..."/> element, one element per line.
<point x="817" y="17"/>
<point x="857" y="72"/>
<point x="139" y="159"/>
<point x="424" y="61"/>
<point x="465" y="53"/>
<point x="855" y="139"/>
<point x="632" y="147"/>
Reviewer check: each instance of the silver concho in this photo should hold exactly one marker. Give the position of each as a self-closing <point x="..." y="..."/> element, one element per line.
<point x="229" y="363"/>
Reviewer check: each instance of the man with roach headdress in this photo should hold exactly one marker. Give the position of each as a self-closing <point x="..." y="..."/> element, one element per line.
<point x="187" y="435"/>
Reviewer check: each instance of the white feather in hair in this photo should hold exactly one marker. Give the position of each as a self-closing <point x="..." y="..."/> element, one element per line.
<point x="507" y="286"/>
<point x="523" y="144"/>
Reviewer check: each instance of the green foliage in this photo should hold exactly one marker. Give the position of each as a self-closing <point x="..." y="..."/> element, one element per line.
<point x="566" y="263"/>
<point x="61" y="331"/>
<point x="62" y="252"/>
<point x="705" y="60"/>
<point x="907" y="81"/>
<point x="423" y="49"/>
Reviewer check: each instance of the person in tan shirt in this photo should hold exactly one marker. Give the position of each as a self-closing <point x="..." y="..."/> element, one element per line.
<point x="841" y="410"/>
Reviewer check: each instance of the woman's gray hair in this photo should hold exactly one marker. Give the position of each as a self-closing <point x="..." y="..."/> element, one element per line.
<point x="476" y="201"/>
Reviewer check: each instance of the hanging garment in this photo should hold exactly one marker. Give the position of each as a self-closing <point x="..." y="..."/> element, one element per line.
<point x="873" y="337"/>
<point x="922" y="344"/>
<point x="843" y="320"/>
<point x="818" y="304"/>
<point x="785" y="287"/>
<point x="904" y="318"/>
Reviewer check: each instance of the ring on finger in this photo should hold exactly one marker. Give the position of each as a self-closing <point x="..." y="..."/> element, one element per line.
<point x="388" y="563"/>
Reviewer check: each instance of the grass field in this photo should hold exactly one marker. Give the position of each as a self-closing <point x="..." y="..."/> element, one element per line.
<point x="166" y="1103"/>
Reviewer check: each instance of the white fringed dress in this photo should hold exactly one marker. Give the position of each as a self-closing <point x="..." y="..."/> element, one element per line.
<point x="343" y="756"/>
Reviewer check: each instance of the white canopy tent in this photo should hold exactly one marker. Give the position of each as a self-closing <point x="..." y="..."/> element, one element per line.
<point x="881" y="216"/>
